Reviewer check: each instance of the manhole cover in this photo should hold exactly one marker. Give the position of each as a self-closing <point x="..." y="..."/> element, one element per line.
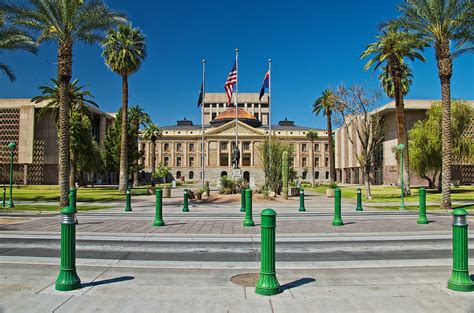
<point x="246" y="280"/>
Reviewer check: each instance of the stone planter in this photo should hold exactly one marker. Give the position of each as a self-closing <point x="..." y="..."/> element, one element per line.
<point x="151" y="190"/>
<point x="330" y="193"/>
<point x="167" y="192"/>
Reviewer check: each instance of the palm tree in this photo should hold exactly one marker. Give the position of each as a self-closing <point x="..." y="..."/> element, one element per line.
<point x="325" y="103"/>
<point x="64" y="22"/>
<point x="312" y="135"/>
<point x="152" y="132"/>
<point x="13" y="38"/>
<point x="137" y="117"/>
<point x="124" y="51"/>
<point x="447" y="27"/>
<point x="390" y="49"/>
<point x="80" y="101"/>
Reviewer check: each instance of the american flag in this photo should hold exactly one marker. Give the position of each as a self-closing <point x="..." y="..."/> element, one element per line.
<point x="230" y="82"/>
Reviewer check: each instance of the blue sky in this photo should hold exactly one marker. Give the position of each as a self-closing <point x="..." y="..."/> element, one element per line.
<point x="313" y="45"/>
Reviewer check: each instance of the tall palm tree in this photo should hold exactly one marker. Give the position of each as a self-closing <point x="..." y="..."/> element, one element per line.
<point x="447" y="27"/>
<point x="138" y="117"/>
<point x="124" y="51"/>
<point x="65" y="23"/>
<point x="152" y="132"/>
<point x="312" y="135"/>
<point x="13" y="38"/>
<point x="80" y="101"/>
<point x="390" y="49"/>
<point x="325" y="104"/>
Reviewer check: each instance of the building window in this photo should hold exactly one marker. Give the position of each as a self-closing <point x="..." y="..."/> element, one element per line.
<point x="326" y="162"/>
<point x="191" y="175"/>
<point x="191" y="147"/>
<point x="246" y="159"/>
<point x="303" y="147"/>
<point x="256" y="115"/>
<point x="166" y="160"/>
<point x="223" y="173"/>
<point x="224" y="145"/>
<point x="213" y="116"/>
<point x="316" y="175"/>
<point x="246" y="145"/>
<point x="325" y="147"/>
<point x="303" y="162"/>
<point x="327" y="175"/>
<point x="316" y="147"/>
<point x="316" y="162"/>
<point x="178" y="147"/>
<point x="167" y="147"/>
<point x="191" y="161"/>
<point x="224" y="160"/>
<point x="178" y="175"/>
<point x="178" y="161"/>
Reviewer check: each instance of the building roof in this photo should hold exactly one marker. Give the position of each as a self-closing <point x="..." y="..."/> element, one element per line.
<point x="243" y="98"/>
<point x="411" y="104"/>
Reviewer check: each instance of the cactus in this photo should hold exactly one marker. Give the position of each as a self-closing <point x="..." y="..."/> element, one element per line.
<point x="284" y="173"/>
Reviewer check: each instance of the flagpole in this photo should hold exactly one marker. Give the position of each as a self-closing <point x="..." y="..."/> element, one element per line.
<point x="269" y="97"/>
<point x="202" y="118"/>
<point x="236" y="98"/>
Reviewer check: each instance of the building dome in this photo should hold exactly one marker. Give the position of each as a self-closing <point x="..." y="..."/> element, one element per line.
<point x="242" y="115"/>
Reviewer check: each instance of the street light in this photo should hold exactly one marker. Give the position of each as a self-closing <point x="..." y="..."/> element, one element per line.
<point x="400" y="148"/>
<point x="11" y="146"/>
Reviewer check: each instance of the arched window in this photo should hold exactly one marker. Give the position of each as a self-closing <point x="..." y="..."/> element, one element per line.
<point x="191" y="175"/>
<point x="178" y="174"/>
<point x="327" y="175"/>
<point x="247" y="176"/>
<point x="223" y="173"/>
<point x="316" y="175"/>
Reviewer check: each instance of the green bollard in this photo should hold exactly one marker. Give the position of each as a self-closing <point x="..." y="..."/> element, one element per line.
<point x="159" y="208"/>
<point x="4" y="196"/>
<point x="242" y="200"/>
<point x="128" y="200"/>
<point x="68" y="278"/>
<point x="267" y="283"/>
<point x="248" y="221"/>
<point x="337" y="221"/>
<point x="73" y="198"/>
<point x="302" y="208"/>
<point x="185" y="201"/>
<point x="422" y="214"/>
<point x="460" y="279"/>
<point x="359" y="200"/>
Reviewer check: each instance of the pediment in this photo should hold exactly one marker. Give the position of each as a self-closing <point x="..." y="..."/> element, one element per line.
<point x="228" y="129"/>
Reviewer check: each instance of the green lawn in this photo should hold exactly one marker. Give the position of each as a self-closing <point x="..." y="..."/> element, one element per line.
<point x="55" y="208"/>
<point x="392" y="194"/>
<point x="51" y="193"/>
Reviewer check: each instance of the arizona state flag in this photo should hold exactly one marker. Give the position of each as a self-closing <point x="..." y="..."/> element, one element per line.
<point x="264" y="85"/>
<point x="201" y="95"/>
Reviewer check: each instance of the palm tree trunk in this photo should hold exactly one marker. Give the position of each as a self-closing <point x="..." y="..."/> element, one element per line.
<point x="64" y="77"/>
<point x="153" y="162"/>
<point x="123" y="175"/>
<point x="402" y="132"/>
<point x="332" y="166"/>
<point x="73" y="171"/>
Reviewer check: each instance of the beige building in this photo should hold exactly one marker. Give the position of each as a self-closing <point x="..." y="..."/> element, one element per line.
<point x="36" y="156"/>
<point x="180" y="145"/>
<point x="386" y="170"/>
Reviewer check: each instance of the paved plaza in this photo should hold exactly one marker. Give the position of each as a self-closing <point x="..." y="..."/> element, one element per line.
<point x="379" y="261"/>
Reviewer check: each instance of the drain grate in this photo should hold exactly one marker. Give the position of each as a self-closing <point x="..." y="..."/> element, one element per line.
<point x="246" y="280"/>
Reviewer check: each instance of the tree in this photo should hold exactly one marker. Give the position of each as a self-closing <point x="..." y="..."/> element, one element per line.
<point x="162" y="172"/>
<point x="138" y="117"/>
<point x="65" y="23"/>
<point x="447" y="27"/>
<point x="354" y="105"/>
<point x="152" y="132"/>
<point x="124" y="50"/>
<point x="80" y="129"/>
<point x="391" y="49"/>
<point x="273" y="150"/>
<point x="312" y="135"/>
<point x="325" y="103"/>
<point x="13" y="38"/>
<point x="426" y="141"/>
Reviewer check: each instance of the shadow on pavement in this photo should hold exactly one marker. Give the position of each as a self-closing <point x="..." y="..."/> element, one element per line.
<point x="107" y="281"/>
<point x="297" y="283"/>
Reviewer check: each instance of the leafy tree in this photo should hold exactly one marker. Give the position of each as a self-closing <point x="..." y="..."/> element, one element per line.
<point x="312" y="135"/>
<point x="124" y="50"/>
<point x="138" y="117"/>
<point x="391" y="49"/>
<point x="270" y="152"/>
<point x="162" y="171"/>
<point x="152" y="132"/>
<point x="64" y="23"/>
<point x="426" y="140"/>
<point x="447" y="27"/>
<point x="325" y="104"/>
<point x="13" y="38"/>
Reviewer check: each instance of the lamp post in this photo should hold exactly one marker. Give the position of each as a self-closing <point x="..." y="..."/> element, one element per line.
<point x="11" y="146"/>
<point x="400" y="148"/>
